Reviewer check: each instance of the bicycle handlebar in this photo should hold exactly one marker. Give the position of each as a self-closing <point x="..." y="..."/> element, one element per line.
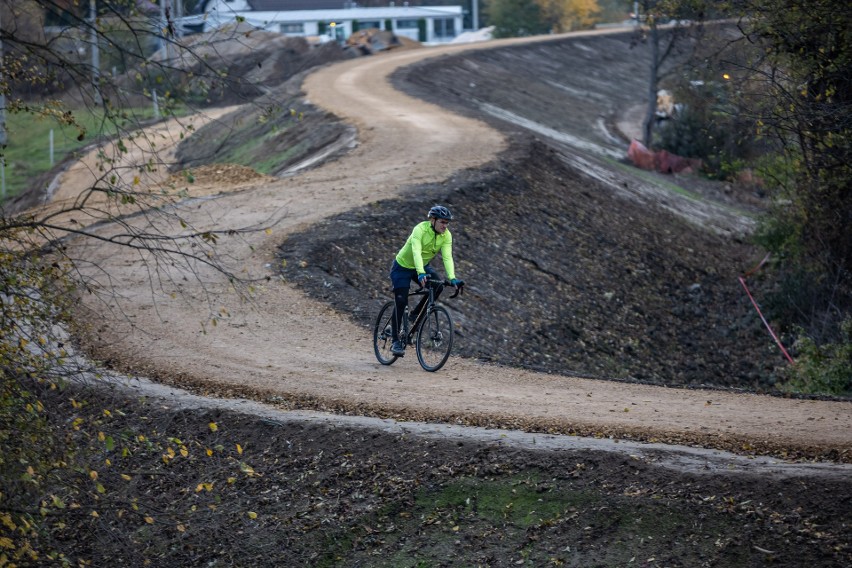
<point x="459" y="288"/>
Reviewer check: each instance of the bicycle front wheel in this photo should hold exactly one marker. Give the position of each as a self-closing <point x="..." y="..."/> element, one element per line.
<point x="383" y="335"/>
<point x="435" y="339"/>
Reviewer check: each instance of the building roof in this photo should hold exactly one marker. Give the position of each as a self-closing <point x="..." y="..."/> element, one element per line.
<point x="275" y="5"/>
<point x="282" y="5"/>
<point x="258" y="18"/>
<point x="326" y="5"/>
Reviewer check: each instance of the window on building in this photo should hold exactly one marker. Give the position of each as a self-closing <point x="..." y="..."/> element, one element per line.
<point x="369" y="24"/>
<point x="445" y="27"/>
<point x="291" y="28"/>
<point x="406" y="24"/>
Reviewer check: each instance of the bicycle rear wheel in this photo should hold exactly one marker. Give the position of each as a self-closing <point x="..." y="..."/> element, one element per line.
<point x="383" y="335"/>
<point x="435" y="339"/>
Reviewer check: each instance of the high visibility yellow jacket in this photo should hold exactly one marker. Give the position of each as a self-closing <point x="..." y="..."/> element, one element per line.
<point x="422" y="246"/>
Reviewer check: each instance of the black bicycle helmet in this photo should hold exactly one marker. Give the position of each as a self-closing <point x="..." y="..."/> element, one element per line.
<point x="440" y="212"/>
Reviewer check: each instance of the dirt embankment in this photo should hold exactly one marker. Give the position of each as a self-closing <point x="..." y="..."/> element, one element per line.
<point x="564" y="276"/>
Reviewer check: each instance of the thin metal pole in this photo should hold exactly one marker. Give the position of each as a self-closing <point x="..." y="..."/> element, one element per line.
<point x="475" y="22"/>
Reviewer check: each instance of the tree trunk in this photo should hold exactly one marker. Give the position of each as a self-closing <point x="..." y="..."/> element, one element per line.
<point x="650" y="115"/>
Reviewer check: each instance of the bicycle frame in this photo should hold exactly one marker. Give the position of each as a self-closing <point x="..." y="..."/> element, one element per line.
<point x="430" y="291"/>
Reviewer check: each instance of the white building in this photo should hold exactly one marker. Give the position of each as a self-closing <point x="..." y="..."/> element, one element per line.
<point x="433" y="24"/>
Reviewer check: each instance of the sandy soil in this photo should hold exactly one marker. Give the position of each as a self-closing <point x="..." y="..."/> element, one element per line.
<point x="283" y="346"/>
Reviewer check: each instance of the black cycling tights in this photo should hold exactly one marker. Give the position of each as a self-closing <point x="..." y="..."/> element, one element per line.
<point x="400" y="296"/>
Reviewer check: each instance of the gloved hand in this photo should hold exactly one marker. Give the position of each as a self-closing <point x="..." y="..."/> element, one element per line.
<point x="457" y="282"/>
<point x="421" y="279"/>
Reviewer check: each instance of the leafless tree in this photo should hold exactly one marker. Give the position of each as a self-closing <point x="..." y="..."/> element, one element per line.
<point x="670" y="29"/>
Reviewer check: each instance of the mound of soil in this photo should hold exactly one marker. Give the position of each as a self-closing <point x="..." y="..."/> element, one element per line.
<point x="271" y="135"/>
<point x="563" y="276"/>
<point x="236" y="64"/>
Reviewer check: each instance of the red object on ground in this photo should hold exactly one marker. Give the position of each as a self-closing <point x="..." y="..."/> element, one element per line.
<point x="669" y="163"/>
<point x="662" y="161"/>
<point x="641" y="156"/>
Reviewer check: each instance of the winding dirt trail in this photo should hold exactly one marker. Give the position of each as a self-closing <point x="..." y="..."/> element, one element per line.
<point x="287" y="347"/>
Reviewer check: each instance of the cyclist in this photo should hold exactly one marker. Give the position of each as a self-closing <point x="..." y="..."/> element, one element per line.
<point x="427" y="239"/>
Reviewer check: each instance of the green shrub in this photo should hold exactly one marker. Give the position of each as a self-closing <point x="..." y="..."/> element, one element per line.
<point x="822" y="369"/>
<point x="707" y="125"/>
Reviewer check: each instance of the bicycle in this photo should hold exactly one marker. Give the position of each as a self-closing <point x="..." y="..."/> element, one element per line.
<point x="431" y="332"/>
